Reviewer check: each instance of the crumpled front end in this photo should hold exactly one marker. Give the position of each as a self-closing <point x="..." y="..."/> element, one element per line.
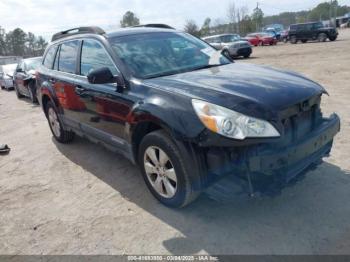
<point x="306" y="137"/>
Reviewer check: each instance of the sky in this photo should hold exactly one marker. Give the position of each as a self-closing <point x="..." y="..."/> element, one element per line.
<point x="45" y="17"/>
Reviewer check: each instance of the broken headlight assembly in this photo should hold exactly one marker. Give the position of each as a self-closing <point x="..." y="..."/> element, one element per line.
<point x="230" y="123"/>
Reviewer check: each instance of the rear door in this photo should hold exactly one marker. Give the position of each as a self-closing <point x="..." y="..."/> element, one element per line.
<point x="19" y="78"/>
<point x="63" y="81"/>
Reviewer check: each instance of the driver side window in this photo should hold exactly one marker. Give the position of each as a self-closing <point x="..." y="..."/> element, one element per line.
<point x="94" y="56"/>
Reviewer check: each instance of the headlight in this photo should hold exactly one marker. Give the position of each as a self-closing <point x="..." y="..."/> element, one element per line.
<point x="232" y="124"/>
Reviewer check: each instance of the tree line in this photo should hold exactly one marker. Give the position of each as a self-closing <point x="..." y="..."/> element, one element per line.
<point x="20" y="43"/>
<point x="239" y="20"/>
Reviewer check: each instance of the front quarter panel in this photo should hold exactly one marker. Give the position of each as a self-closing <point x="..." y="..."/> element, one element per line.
<point x="173" y="112"/>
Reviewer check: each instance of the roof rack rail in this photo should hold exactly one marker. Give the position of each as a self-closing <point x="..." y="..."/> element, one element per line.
<point x="78" y="30"/>
<point x="156" y="26"/>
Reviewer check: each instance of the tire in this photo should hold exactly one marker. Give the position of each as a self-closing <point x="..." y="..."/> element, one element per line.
<point x="167" y="179"/>
<point x="61" y="135"/>
<point x="304" y="41"/>
<point x="2" y="87"/>
<point x="18" y="93"/>
<point x="246" y="56"/>
<point x="226" y="53"/>
<point x="32" y="93"/>
<point x="293" y="39"/>
<point x="322" y="37"/>
<point x="333" y="38"/>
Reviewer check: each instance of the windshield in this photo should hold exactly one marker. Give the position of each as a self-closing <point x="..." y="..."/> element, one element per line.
<point x="32" y="64"/>
<point x="165" y="53"/>
<point x="230" y="38"/>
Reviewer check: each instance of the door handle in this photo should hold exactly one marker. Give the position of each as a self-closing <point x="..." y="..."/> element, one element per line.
<point x="79" y="89"/>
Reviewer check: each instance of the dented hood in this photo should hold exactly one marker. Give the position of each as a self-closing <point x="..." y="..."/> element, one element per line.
<point x="254" y="90"/>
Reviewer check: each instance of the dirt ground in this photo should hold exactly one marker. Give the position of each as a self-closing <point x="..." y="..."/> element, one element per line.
<point x="83" y="199"/>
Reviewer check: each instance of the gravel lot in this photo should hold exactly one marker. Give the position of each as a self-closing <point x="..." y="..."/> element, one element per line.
<point x="82" y="199"/>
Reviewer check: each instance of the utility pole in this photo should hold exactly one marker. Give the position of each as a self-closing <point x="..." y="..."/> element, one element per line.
<point x="256" y="22"/>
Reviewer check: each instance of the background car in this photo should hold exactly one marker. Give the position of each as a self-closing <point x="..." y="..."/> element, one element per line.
<point x="231" y="44"/>
<point x="24" y="78"/>
<point x="311" y="31"/>
<point x="262" y="38"/>
<point x="6" y="76"/>
<point x="284" y="36"/>
<point x="276" y="28"/>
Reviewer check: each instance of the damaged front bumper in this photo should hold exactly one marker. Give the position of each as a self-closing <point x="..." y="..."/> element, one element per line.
<point x="263" y="165"/>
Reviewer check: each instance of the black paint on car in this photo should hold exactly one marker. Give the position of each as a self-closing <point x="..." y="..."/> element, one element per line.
<point x="182" y="111"/>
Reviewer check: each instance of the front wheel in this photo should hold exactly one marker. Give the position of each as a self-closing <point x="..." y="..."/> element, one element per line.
<point x="333" y="38"/>
<point x="61" y="135"/>
<point x="226" y="53"/>
<point x="32" y="93"/>
<point x="246" y="56"/>
<point x="18" y="93"/>
<point x="165" y="171"/>
<point x="322" y="37"/>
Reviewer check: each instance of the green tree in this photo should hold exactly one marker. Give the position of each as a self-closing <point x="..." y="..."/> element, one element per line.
<point x="31" y="41"/>
<point x="129" y="19"/>
<point x="40" y="45"/>
<point x="257" y="17"/>
<point x="15" y="41"/>
<point x="2" y="42"/>
<point x="205" y="30"/>
<point x="192" y="28"/>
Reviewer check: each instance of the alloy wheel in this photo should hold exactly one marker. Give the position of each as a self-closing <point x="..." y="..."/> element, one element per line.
<point x="54" y="122"/>
<point x="160" y="172"/>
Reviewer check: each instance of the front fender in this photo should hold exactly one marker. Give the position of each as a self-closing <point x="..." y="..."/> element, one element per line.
<point x="173" y="113"/>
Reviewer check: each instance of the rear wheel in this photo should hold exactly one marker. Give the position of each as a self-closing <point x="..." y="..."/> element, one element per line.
<point x="322" y="37"/>
<point x="246" y="56"/>
<point x="165" y="170"/>
<point x="55" y="124"/>
<point x="293" y="39"/>
<point x="304" y="41"/>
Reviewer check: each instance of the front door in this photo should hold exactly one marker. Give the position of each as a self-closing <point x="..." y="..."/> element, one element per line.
<point x="106" y="110"/>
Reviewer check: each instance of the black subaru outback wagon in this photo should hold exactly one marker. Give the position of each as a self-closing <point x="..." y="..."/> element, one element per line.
<point x="182" y="111"/>
<point x="311" y="31"/>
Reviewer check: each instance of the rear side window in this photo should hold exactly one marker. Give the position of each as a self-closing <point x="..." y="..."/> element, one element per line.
<point x="68" y="57"/>
<point x="94" y="56"/>
<point x="50" y="56"/>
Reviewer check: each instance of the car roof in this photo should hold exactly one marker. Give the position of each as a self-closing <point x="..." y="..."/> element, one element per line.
<point x="213" y="36"/>
<point x="317" y="22"/>
<point x="138" y="30"/>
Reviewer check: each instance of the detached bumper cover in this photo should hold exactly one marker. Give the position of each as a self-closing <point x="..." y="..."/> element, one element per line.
<point x="297" y="157"/>
<point x="264" y="165"/>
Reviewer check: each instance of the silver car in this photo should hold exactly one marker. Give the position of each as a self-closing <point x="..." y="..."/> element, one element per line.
<point x="231" y="44"/>
<point x="6" y="76"/>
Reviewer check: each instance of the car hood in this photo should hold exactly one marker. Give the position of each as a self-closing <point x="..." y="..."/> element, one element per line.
<point x="254" y="90"/>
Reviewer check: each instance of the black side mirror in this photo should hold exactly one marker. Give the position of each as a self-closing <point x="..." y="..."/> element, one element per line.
<point x="101" y="76"/>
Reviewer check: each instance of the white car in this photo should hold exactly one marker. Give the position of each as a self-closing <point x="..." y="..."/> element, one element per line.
<point x="6" y="76"/>
<point x="231" y="45"/>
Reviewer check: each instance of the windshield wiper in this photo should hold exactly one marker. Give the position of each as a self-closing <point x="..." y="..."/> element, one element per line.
<point x="207" y="66"/>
